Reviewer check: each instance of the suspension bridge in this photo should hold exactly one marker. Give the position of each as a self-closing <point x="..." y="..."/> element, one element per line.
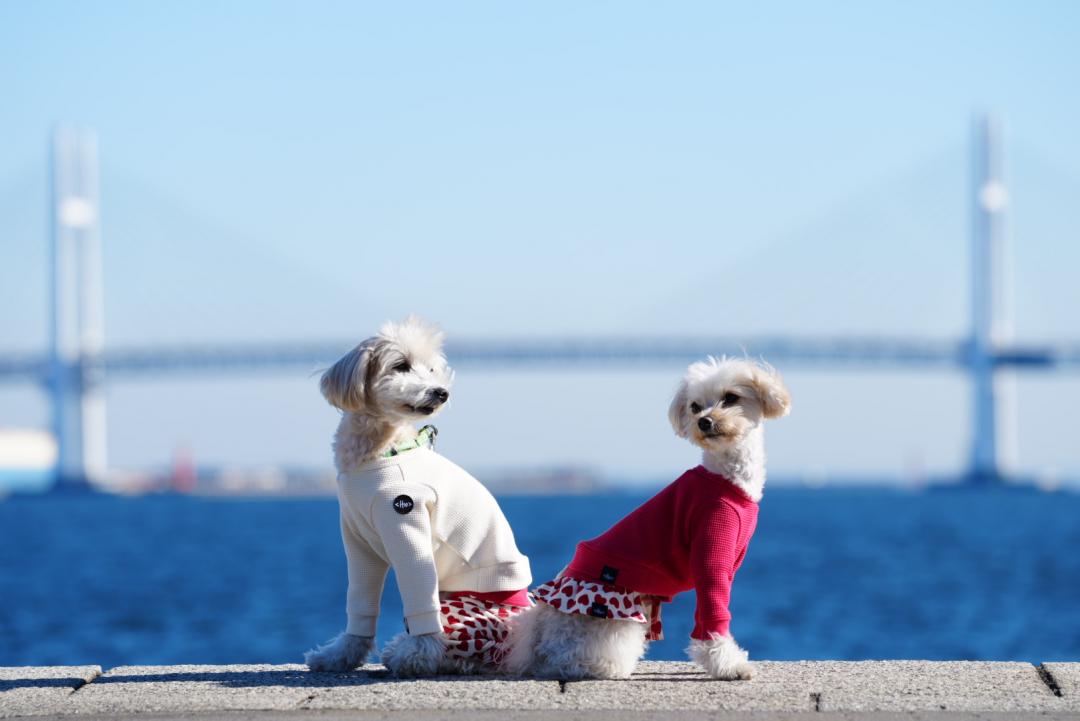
<point x="77" y="364"/>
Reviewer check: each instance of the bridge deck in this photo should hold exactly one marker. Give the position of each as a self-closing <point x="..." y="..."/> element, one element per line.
<point x="822" y="352"/>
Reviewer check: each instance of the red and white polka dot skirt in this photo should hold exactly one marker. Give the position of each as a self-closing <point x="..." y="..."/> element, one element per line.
<point x="600" y="600"/>
<point x="476" y="627"/>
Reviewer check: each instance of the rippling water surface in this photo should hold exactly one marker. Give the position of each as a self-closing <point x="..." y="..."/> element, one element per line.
<point x="841" y="574"/>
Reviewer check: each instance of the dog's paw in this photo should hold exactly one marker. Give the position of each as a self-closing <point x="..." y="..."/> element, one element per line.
<point x="721" y="658"/>
<point x="407" y="655"/>
<point x="343" y="653"/>
<point x="743" y="672"/>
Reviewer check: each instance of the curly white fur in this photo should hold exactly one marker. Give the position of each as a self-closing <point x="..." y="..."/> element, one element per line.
<point x="721" y="658"/>
<point x="409" y="656"/>
<point x="341" y="653"/>
<point x="548" y="643"/>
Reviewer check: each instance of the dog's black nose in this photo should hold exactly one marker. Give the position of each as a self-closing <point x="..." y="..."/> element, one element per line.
<point x="441" y="394"/>
<point x="705" y="423"/>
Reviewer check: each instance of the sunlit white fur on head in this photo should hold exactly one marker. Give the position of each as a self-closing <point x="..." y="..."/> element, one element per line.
<point x="415" y="335"/>
<point x="384" y="385"/>
<point x="760" y="390"/>
<point x="720" y="406"/>
<point x="392" y="374"/>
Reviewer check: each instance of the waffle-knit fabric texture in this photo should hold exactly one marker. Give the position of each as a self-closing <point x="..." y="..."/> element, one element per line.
<point x="438" y="527"/>
<point x="691" y="535"/>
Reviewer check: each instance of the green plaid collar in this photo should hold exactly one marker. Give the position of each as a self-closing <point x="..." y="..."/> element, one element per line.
<point x="425" y="438"/>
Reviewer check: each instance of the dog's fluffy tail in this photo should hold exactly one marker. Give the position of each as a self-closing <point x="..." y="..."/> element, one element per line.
<point x="521" y="643"/>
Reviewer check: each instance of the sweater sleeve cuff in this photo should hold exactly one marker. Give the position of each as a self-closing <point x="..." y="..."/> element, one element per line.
<point x="360" y="625"/>
<point x="711" y="628"/>
<point x="421" y="624"/>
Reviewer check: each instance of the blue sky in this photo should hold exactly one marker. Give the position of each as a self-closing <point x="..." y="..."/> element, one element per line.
<point x="306" y="170"/>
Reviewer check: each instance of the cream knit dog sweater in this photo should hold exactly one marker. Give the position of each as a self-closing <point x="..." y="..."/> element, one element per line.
<point x="435" y="524"/>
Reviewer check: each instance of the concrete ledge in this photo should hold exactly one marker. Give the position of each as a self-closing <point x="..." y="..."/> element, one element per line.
<point x="26" y="690"/>
<point x="944" y="686"/>
<point x="660" y="685"/>
<point x="1064" y="680"/>
<point x="385" y="693"/>
<point x="155" y="689"/>
<point x="818" y="689"/>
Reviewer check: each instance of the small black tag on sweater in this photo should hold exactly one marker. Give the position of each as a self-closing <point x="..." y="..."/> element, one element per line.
<point x="609" y="574"/>
<point x="598" y="610"/>
<point x="403" y="504"/>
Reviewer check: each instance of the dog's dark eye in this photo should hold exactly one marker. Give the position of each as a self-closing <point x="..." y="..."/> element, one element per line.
<point x="730" y="399"/>
<point x="695" y="407"/>
<point x="402" y="367"/>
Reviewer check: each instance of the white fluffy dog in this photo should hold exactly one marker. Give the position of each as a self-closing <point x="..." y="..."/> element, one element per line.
<point x="594" y="620"/>
<point x="405" y="506"/>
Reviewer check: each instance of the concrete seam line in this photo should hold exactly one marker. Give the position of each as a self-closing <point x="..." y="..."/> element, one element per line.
<point x="1048" y="679"/>
<point x="303" y="703"/>
<point x="82" y="683"/>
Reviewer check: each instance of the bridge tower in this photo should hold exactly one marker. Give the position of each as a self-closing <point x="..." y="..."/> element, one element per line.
<point x="76" y="310"/>
<point x="993" y="445"/>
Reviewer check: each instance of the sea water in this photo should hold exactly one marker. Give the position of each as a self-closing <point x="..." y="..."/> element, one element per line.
<point x="830" y="574"/>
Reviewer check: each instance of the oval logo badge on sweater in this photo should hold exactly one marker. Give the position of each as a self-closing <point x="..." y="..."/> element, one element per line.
<point x="403" y="504"/>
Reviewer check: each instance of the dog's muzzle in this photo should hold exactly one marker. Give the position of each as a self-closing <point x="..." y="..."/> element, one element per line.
<point x="435" y="398"/>
<point x="710" y="429"/>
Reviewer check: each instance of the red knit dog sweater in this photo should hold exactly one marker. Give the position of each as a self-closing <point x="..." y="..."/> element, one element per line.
<point x="691" y="535"/>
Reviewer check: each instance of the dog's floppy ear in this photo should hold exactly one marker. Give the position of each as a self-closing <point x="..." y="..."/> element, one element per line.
<point x="677" y="413"/>
<point x="342" y="385"/>
<point x="771" y="391"/>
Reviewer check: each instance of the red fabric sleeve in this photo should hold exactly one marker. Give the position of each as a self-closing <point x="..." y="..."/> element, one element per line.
<point x="713" y="551"/>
